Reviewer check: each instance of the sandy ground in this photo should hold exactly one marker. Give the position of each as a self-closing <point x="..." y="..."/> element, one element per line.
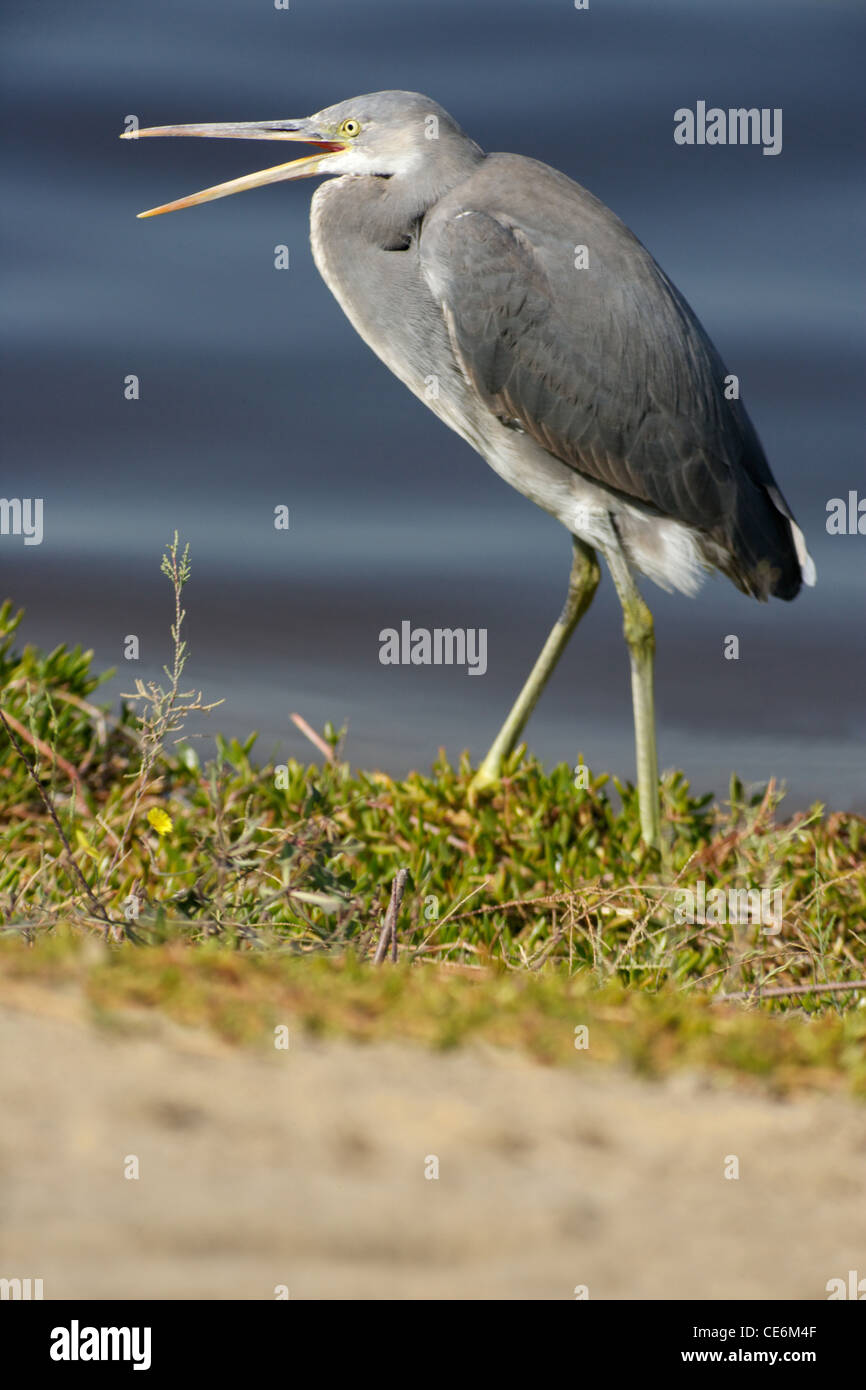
<point x="306" y="1168"/>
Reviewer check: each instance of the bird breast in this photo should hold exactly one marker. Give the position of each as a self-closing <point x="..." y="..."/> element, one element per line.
<point x="362" y="256"/>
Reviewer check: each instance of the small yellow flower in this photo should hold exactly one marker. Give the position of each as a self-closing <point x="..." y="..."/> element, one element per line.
<point x="160" y="820"/>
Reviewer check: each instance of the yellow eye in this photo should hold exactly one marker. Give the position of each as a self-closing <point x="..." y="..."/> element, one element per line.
<point x="350" y="129"/>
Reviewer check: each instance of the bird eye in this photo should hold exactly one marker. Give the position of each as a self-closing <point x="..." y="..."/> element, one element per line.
<point x="350" y="128"/>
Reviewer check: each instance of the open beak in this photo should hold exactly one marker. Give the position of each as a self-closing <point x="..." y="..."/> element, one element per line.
<point x="302" y="130"/>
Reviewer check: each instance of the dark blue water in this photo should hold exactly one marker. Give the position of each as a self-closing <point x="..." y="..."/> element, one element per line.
<point x="255" y="391"/>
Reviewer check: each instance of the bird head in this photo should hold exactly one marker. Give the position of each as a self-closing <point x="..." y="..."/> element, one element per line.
<point x="383" y="135"/>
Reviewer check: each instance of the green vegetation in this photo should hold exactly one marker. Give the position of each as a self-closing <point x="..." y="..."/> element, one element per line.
<point x="113" y="826"/>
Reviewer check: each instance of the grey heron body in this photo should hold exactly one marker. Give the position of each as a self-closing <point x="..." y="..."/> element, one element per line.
<point x="530" y="319"/>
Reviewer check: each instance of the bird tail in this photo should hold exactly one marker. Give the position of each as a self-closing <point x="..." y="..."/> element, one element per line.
<point x="770" y="549"/>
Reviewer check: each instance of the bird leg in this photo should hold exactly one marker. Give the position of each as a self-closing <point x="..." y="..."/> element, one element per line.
<point x="582" y="584"/>
<point x="640" y="638"/>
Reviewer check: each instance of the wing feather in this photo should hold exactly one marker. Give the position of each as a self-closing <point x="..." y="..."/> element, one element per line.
<point x="589" y="364"/>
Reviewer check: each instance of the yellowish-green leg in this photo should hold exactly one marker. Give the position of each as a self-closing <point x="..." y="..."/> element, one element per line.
<point x="640" y="637"/>
<point x="582" y="584"/>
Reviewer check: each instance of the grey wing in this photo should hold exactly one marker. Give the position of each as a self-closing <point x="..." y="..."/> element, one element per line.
<point x="605" y="367"/>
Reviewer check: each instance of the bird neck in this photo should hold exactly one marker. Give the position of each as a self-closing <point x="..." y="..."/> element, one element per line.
<point x="407" y="195"/>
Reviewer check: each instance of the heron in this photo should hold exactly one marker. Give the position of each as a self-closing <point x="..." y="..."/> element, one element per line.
<point x="531" y="320"/>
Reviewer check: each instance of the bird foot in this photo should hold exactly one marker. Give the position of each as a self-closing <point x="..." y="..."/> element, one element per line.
<point x="486" y="779"/>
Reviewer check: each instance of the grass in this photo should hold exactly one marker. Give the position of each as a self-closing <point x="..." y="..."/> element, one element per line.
<point x="115" y="826"/>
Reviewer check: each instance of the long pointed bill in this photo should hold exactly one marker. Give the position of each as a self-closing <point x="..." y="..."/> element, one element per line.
<point x="248" y="130"/>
